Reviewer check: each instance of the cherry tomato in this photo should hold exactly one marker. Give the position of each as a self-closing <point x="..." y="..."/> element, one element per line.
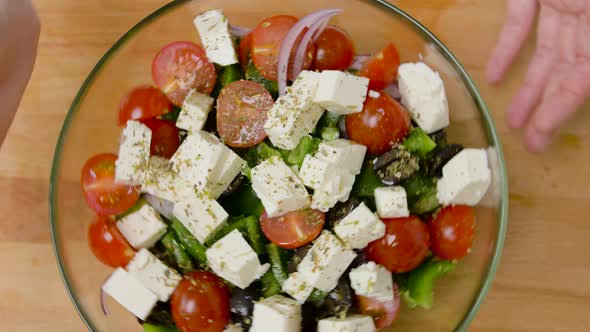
<point x="244" y="50"/>
<point x="201" y="303"/>
<point x="180" y="67"/>
<point x="141" y="103"/>
<point x="383" y="313"/>
<point x="107" y="243"/>
<point x="241" y="113"/>
<point x="451" y="231"/>
<point x="266" y="45"/>
<point x="333" y="50"/>
<point x="165" y="137"/>
<point x="382" y="123"/>
<point x="381" y="69"/>
<point x="294" y="229"/>
<point x="403" y="247"/>
<point x="102" y="194"/>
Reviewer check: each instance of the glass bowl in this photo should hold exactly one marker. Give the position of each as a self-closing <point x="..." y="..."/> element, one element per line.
<point x="90" y="127"/>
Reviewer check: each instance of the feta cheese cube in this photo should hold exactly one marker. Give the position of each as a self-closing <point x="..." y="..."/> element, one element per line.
<point x="297" y="287"/>
<point x="233" y="259"/>
<point x="134" y="153"/>
<point x="360" y="227"/>
<point x="372" y="280"/>
<point x="195" y="110"/>
<point x="230" y="168"/>
<point x="153" y="274"/>
<point x="391" y="202"/>
<point x="201" y="215"/>
<point x="313" y="171"/>
<point x="233" y="328"/>
<point x="276" y="313"/>
<point x="325" y="262"/>
<point x="130" y="293"/>
<point x="334" y="188"/>
<point x="466" y="178"/>
<point x="423" y="94"/>
<point x="162" y="182"/>
<point x="354" y="323"/>
<point x="278" y="187"/>
<point x="142" y="228"/>
<point x="344" y="154"/>
<point x="213" y="28"/>
<point x="341" y="92"/>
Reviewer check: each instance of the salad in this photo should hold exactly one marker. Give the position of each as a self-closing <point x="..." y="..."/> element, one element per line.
<point x="274" y="180"/>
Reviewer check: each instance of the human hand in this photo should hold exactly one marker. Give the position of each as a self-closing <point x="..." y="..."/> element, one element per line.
<point x="558" y="78"/>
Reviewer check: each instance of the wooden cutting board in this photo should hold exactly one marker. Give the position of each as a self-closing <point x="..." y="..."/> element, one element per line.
<point x="543" y="281"/>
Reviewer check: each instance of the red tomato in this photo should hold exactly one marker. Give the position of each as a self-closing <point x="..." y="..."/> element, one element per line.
<point x="244" y="50"/>
<point x="142" y="103"/>
<point x="241" y="113"/>
<point x="201" y="303"/>
<point x="180" y="67"/>
<point x="333" y="50"/>
<point x="382" y="123"/>
<point x="381" y="69"/>
<point x="294" y="229"/>
<point x="165" y="137"/>
<point x="451" y="231"/>
<point x="266" y="45"/>
<point x="107" y="243"/>
<point x="403" y="247"/>
<point x="102" y="194"/>
<point x="383" y="313"/>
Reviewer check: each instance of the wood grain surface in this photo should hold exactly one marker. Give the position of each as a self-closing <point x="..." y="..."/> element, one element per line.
<point x="542" y="283"/>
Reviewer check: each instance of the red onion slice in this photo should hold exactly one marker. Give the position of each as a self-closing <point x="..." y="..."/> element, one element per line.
<point x="393" y="91"/>
<point x="358" y="62"/>
<point x="239" y="31"/>
<point x="163" y="206"/>
<point x="103" y="302"/>
<point x="291" y="38"/>
<point x="312" y="33"/>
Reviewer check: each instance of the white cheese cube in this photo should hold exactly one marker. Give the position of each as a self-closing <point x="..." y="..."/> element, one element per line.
<point x="466" y="178"/>
<point x="344" y="154"/>
<point x="354" y="323"/>
<point x="153" y="274"/>
<point x="322" y="201"/>
<point x="162" y="182"/>
<point x="334" y="188"/>
<point x="163" y="206"/>
<point x="201" y="215"/>
<point x="341" y="92"/>
<point x="276" y="313"/>
<point x="195" y="110"/>
<point x="142" y="228"/>
<point x="372" y="280"/>
<point x="360" y="227"/>
<point x="313" y="171"/>
<point x="423" y="94"/>
<point x="278" y="187"/>
<point x="130" y="293"/>
<point x="233" y="328"/>
<point x="213" y="27"/>
<point x="391" y="202"/>
<point x="297" y="287"/>
<point x="229" y="169"/>
<point x="325" y="262"/>
<point x="233" y="259"/>
<point x="134" y="153"/>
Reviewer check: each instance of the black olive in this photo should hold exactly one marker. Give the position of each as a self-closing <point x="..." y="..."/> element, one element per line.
<point x="338" y="301"/>
<point x="341" y="210"/>
<point x="160" y="315"/>
<point x="396" y="165"/>
<point x="439" y="136"/>
<point x="309" y="322"/>
<point x="342" y="127"/>
<point x="436" y="163"/>
<point x="297" y="258"/>
<point x="233" y="186"/>
<point x="241" y="306"/>
<point x="359" y="260"/>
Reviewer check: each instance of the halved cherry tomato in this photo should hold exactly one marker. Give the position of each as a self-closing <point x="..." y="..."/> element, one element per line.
<point x="244" y="50"/>
<point x="381" y="69"/>
<point x="165" y="138"/>
<point x="241" y="113"/>
<point x="294" y="229"/>
<point x="141" y="103"/>
<point x="107" y="243"/>
<point x="403" y="247"/>
<point x="334" y="50"/>
<point x="201" y="303"/>
<point x="383" y="313"/>
<point x="266" y="45"/>
<point x="102" y="194"/>
<point x="180" y="67"/>
<point x="382" y="123"/>
<point x="451" y="231"/>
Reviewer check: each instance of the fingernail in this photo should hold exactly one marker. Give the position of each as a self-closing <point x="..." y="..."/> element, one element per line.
<point x="535" y="141"/>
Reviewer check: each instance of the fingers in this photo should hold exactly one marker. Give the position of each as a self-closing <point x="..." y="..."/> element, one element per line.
<point x="539" y="70"/>
<point x="519" y="21"/>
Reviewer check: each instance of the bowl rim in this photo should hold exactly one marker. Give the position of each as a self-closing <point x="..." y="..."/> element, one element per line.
<point x="384" y="4"/>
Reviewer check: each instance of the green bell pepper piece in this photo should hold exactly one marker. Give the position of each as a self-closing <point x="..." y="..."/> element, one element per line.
<point x="421" y="282"/>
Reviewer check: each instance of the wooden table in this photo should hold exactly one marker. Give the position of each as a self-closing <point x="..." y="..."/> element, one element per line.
<point x="543" y="281"/>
